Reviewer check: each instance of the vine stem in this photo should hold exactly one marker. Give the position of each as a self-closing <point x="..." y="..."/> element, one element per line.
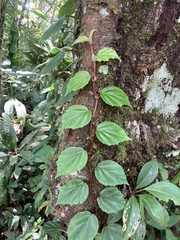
<point x="92" y="134"/>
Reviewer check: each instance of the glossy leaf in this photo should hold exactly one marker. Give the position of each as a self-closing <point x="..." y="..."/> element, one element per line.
<point x="83" y="225"/>
<point x="74" y="192"/>
<point x="156" y="211"/>
<point x="111" y="232"/>
<point x="111" y="200"/>
<point x="147" y="174"/>
<point x="76" y="116"/>
<point x="81" y="39"/>
<point x="105" y="54"/>
<point x="110" y="133"/>
<point x="165" y="191"/>
<point x="53" y="29"/>
<point x="131" y="218"/>
<point x="110" y="173"/>
<point x="114" y="96"/>
<point x="71" y="160"/>
<point x="67" y="9"/>
<point x="53" y="63"/>
<point x="78" y="81"/>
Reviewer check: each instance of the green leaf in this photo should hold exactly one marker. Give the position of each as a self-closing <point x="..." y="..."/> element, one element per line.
<point x="170" y="235"/>
<point x="53" y="28"/>
<point x="83" y="225"/>
<point x="173" y="220"/>
<point x="110" y="173"/>
<point x="81" y="39"/>
<point x="165" y="191"/>
<point x="53" y="63"/>
<point x="140" y="232"/>
<point x="8" y="134"/>
<point x="110" y="133"/>
<point x="111" y="232"/>
<point x="156" y="211"/>
<point x="52" y="227"/>
<point x="111" y="200"/>
<point x="67" y="9"/>
<point x="114" y="96"/>
<point x="131" y="218"/>
<point x="74" y="192"/>
<point x="41" y="14"/>
<point x="78" y="81"/>
<point x="105" y="54"/>
<point x="114" y="217"/>
<point x="147" y="174"/>
<point x="71" y="160"/>
<point x="76" y="116"/>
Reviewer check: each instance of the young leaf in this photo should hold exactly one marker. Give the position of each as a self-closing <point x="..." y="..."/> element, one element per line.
<point x="105" y="54"/>
<point x="53" y="63"/>
<point x="111" y="200"/>
<point x="67" y="9"/>
<point x="110" y="133"/>
<point x="147" y="174"/>
<point x="113" y="231"/>
<point x="131" y="218"/>
<point x="74" y="192"/>
<point x="41" y="14"/>
<point x="165" y="191"/>
<point x="81" y="39"/>
<point x="78" y="81"/>
<point x="83" y="225"/>
<point x="76" y="116"/>
<point x="53" y="28"/>
<point x="114" y="96"/>
<point x="71" y="160"/>
<point x="110" y="173"/>
<point x="156" y="211"/>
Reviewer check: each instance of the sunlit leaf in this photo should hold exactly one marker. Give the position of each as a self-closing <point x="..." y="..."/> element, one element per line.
<point x="41" y="14"/>
<point x="53" y="63"/>
<point x="147" y="174"/>
<point x="110" y="133"/>
<point x="111" y="232"/>
<point x="76" y="116"/>
<point x="83" y="225"/>
<point x="78" y="81"/>
<point x="81" y="39"/>
<point x="114" y="96"/>
<point x="131" y="218"/>
<point x="105" y="54"/>
<point x="110" y="173"/>
<point x="74" y="192"/>
<point x="111" y="200"/>
<point x="71" y="160"/>
<point x="165" y="191"/>
<point x="156" y="211"/>
<point x="53" y="28"/>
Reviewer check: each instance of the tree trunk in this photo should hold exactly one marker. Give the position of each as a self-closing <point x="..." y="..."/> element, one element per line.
<point x="145" y="34"/>
<point x="2" y="20"/>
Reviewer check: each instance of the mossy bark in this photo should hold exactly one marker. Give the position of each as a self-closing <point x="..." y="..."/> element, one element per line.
<point x="145" y="35"/>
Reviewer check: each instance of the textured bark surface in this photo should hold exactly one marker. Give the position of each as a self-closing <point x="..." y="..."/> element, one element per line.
<point x="145" y="35"/>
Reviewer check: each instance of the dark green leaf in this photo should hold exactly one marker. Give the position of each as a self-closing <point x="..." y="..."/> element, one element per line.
<point x="71" y="160"/>
<point x="147" y="174"/>
<point x="83" y="225"/>
<point x="131" y="218"/>
<point x="78" y="81"/>
<point x="74" y="192"/>
<point x="114" y="217"/>
<point x="110" y="133"/>
<point x="52" y="227"/>
<point x="53" y="63"/>
<point x="68" y="8"/>
<point x="53" y="28"/>
<point x="111" y="232"/>
<point x="111" y="200"/>
<point x="76" y="116"/>
<point x="114" y="96"/>
<point x="110" y="173"/>
<point x="165" y="191"/>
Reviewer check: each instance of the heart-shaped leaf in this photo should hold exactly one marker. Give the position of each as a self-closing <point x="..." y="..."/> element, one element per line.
<point x="105" y="54"/>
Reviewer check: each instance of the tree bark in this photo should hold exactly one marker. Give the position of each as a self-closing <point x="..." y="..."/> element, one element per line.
<point x="145" y="35"/>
